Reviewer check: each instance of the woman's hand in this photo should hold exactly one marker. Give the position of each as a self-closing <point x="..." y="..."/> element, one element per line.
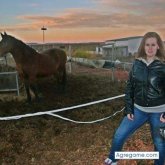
<point x="130" y="116"/>
<point x="162" y="119"/>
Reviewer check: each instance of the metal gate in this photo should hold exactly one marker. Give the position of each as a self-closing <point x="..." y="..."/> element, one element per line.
<point x="9" y="82"/>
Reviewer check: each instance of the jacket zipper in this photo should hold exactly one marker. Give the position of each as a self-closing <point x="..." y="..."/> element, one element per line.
<point x="147" y="85"/>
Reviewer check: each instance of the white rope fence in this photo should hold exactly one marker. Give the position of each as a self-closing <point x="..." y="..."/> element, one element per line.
<point x="51" y="112"/>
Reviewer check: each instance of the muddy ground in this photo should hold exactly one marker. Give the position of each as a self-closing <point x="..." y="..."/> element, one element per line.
<point x="47" y="140"/>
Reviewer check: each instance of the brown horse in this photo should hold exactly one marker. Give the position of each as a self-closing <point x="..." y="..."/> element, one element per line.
<point x="31" y="64"/>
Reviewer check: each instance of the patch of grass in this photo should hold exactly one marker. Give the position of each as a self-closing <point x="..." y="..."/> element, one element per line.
<point x="84" y="54"/>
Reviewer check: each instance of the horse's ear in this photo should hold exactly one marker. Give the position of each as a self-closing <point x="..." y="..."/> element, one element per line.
<point x="2" y="35"/>
<point x="5" y="33"/>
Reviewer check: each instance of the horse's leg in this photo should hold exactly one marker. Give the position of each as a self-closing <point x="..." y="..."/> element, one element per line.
<point x="34" y="88"/>
<point x="27" y="88"/>
<point x="57" y="77"/>
<point x="64" y="79"/>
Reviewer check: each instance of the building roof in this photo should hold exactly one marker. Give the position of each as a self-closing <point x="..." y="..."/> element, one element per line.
<point x="122" y="39"/>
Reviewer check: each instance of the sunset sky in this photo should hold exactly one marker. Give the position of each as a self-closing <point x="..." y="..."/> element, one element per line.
<point x="81" y="20"/>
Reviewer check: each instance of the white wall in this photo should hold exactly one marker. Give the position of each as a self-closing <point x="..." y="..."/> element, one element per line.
<point x="133" y="45"/>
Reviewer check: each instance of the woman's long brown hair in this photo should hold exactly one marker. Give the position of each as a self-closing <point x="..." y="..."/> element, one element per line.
<point x="160" y="52"/>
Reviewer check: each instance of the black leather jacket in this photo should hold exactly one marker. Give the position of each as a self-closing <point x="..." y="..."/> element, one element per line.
<point x="145" y="86"/>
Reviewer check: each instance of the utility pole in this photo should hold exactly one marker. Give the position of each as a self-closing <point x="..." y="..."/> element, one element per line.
<point x="43" y="29"/>
<point x="112" y="59"/>
<point x="70" y="57"/>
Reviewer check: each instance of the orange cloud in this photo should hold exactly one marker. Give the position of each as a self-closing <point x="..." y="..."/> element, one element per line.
<point x="89" y="19"/>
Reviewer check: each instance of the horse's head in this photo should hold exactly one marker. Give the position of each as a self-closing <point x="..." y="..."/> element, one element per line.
<point x="5" y="44"/>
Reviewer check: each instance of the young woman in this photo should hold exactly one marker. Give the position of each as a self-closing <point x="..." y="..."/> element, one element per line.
<point x="144" y="97"/>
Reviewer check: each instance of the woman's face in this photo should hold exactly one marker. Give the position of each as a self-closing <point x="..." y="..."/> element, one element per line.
<point x="151" y="47"/>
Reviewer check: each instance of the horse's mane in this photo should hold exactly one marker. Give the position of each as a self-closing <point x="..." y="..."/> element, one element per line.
<point x="22" y="44"/>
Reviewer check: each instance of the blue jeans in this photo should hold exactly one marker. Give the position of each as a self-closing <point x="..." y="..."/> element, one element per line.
<point x="128" y="127"/>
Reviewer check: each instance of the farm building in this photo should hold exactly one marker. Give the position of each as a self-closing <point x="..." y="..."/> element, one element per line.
<point x="119" y="47"/>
